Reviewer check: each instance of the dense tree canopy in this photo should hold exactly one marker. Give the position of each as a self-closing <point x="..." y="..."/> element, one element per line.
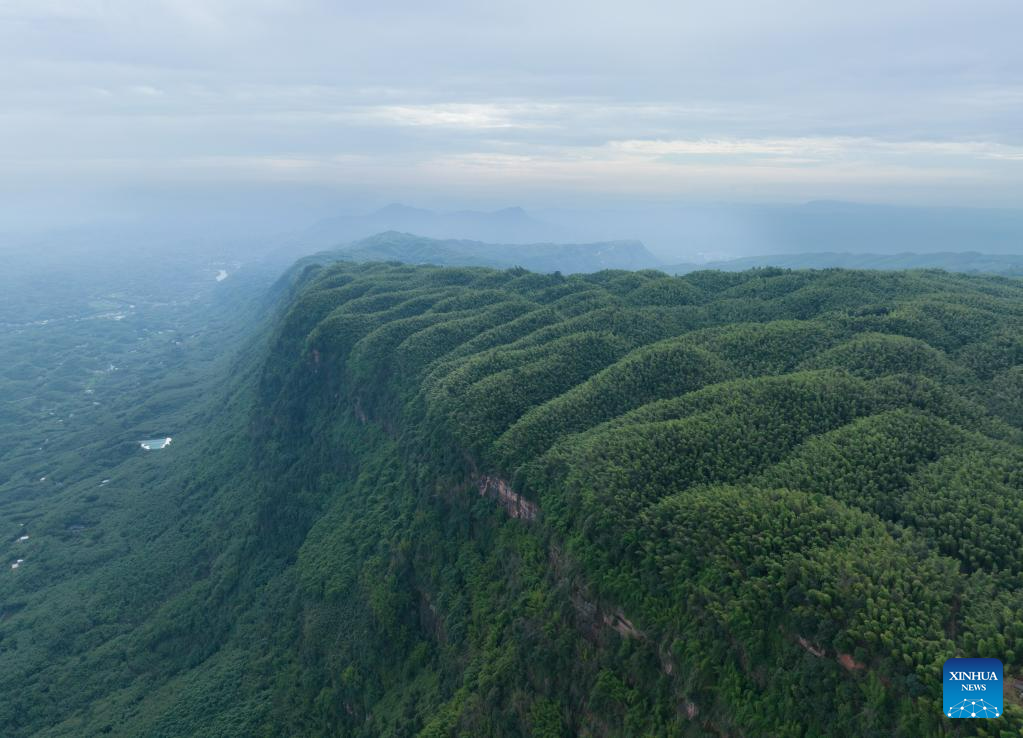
<point x="461" y="501"/>
<point x="792" y="485"/>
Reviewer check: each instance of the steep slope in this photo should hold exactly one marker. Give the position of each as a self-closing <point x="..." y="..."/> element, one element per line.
<point x="758" y="502"/>
<point x="477" y="502"/>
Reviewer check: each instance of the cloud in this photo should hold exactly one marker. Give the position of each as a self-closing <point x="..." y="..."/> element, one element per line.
<point x="784" y="99"/>
<point x="457" y="115"/>
<point x="816" y="149"/>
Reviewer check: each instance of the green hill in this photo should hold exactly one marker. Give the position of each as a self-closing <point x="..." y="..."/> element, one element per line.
<point x="462" y="501"/>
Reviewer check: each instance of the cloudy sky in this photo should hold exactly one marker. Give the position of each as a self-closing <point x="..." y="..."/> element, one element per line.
<point x="900" y="101"/>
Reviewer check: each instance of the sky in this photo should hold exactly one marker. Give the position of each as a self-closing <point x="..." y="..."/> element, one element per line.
<point x="452" y="103"/>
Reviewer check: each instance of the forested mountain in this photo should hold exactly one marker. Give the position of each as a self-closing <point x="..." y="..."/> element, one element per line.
<point x="462" y="501"/>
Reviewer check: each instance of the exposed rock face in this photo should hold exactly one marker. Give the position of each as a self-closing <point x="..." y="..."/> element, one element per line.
<point x="1013" y="689"/>
<point x="818" y="652"/>
<point x="850" y="663"/>
<point x="513" y="503"/>
<point x="846" y="660"/>
<point x="622" y="624"/>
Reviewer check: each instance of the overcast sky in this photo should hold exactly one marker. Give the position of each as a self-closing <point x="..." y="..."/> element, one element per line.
<point x="899" y="101"/>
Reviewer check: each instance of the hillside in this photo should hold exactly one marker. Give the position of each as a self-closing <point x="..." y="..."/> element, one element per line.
<point x="460" y="501"/>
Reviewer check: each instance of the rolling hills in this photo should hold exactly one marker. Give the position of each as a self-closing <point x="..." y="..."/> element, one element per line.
<point x="467" y="501"/>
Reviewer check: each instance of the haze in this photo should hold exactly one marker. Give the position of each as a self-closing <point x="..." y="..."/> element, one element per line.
<point x="269" y="115"/>
<point x="450" y="368"/>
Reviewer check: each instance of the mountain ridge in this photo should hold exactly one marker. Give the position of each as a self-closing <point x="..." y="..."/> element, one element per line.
<point x="447" y="501"/>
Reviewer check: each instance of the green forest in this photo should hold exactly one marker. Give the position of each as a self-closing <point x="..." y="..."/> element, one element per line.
<point x="463" y="501"/>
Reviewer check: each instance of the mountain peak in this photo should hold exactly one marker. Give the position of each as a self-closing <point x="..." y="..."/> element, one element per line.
<point x="397" y="208"/>
<point x="513" y="212"/>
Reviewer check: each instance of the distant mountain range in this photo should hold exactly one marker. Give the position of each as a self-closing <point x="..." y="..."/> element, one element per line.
<point x="694" y="232"/>
<point x="512" y="237"/>
<point x="539" y="257"/>
<point x="831" y="233"/>
<point x="966" y="262"/>
<point x="633" y="255"/>
<point x="510" y="225"/>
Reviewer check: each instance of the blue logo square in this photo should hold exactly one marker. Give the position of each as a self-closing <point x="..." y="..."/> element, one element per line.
<point x="972" y="688"/>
